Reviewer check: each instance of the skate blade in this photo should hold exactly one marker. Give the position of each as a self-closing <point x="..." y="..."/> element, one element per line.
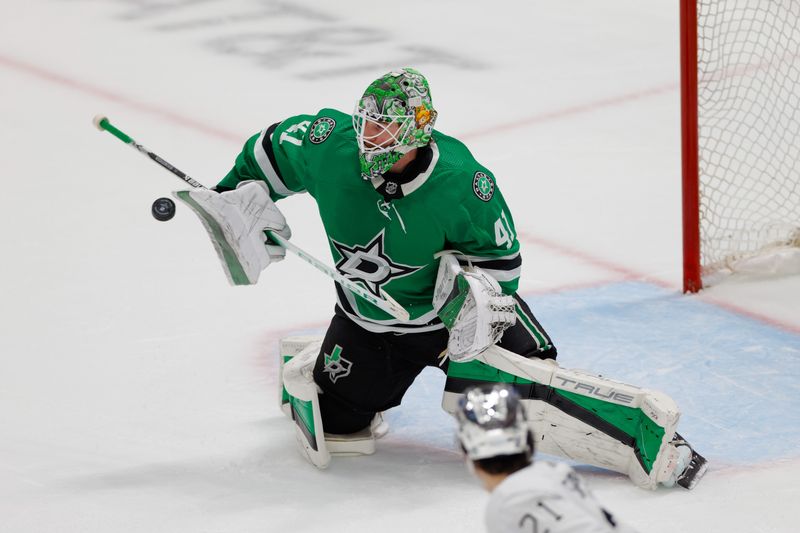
<point x="697" y="469"/>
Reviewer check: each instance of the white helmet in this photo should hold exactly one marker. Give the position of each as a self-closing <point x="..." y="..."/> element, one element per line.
<point x="492" y="422"/>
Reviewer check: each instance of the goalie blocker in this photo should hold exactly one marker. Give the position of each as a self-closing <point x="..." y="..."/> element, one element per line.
<point x="573" y="414"/>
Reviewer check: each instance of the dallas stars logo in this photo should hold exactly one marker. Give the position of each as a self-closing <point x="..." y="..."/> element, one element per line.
<point x="369" y="264"/>
<point x="337" y="366"/>
<point x="483" y="186"/>
<point x="321" y="129"/>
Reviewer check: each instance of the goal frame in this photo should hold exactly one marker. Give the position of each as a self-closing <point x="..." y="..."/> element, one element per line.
<point x="690" y="168"/>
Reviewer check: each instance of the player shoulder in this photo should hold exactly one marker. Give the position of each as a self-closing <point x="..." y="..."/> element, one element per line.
<point x="539" y="478"/>
<point x="555" y="473"/>
<point x="329" y="123"/>
<point x="519" y="496"/>
<point x="316" y="129"/>
<point x="461" y="172"/>
<point x="538" y="470"/>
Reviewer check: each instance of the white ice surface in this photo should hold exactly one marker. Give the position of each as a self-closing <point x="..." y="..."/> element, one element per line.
<point x="137" y="390"/>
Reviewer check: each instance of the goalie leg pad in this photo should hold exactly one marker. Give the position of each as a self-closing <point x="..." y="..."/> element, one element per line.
<point x="351" y="445"/>
<point x="303" y="399"/>
<point x="298" y="397"/>
<point x="583" y="416"/>
<point x="287" y="349"/>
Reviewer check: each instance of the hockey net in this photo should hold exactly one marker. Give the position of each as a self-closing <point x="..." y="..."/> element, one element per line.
<point x="747" y="134"/>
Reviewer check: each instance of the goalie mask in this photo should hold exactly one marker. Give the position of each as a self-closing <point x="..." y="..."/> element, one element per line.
<point x="492" y="422"/>
<point x="394" y="116"/>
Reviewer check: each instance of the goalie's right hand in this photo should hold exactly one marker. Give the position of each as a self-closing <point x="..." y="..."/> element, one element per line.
<point x="235" y="221"/>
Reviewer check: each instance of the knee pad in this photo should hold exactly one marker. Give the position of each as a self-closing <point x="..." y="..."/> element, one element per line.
<point x="302" y="400"/>
<point x="288" y="348"/>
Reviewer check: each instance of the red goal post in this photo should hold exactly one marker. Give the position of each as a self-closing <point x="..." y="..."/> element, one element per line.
<point x="740" y="110"/>
<point x="692" y="280"/>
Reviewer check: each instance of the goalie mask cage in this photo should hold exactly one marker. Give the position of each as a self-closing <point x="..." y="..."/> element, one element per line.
<point x="740" y="106"/>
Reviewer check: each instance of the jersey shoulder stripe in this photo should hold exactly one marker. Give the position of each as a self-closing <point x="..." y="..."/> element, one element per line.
<point x="265" y="157"/>
<point x="502" y="268"/>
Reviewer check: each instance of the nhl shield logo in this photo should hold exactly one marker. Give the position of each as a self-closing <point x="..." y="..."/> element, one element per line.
<point x="337" y="366"/>
<point x="321" y="129"/>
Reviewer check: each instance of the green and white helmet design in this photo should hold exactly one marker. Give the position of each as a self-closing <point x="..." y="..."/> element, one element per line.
<point x="394" y="116"/>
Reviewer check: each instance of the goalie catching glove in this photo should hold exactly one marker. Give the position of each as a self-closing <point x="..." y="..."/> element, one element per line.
<point x="472" y="307"/>
<point x="236" y="221"/>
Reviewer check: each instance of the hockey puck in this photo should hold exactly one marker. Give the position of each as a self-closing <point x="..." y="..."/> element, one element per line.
<point x="163" y="209"/>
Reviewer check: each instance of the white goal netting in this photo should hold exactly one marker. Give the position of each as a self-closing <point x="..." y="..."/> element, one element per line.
<point x="749" y="129"/>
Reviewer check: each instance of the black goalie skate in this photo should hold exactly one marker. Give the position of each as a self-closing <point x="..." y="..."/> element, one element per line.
<point x="695" y="468"/>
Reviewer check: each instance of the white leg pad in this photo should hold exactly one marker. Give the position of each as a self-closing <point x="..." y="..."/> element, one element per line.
<point x="303" y="393"/>
<point x="359" y="443"/>
<point x="288" y="348"/>
<point x="592" y="419"/>
<point x="352" y="444"/>
<point x="379" y="426"/>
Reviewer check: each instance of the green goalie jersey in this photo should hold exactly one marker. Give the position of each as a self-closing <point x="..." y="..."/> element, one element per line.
<point x="384" y="234"/>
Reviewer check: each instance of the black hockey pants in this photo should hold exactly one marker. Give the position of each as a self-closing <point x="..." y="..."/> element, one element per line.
<point x="362" y="373"/>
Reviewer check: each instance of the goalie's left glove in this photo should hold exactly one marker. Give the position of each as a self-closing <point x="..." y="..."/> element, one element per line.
<point x="235" y="221"/>
<point x="472" y="307"/>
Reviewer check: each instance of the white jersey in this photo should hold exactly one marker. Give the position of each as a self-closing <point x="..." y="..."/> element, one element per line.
<point x="547" y="498"/>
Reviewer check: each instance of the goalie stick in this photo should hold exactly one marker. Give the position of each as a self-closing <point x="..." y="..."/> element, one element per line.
<point x="385" y="302"/>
